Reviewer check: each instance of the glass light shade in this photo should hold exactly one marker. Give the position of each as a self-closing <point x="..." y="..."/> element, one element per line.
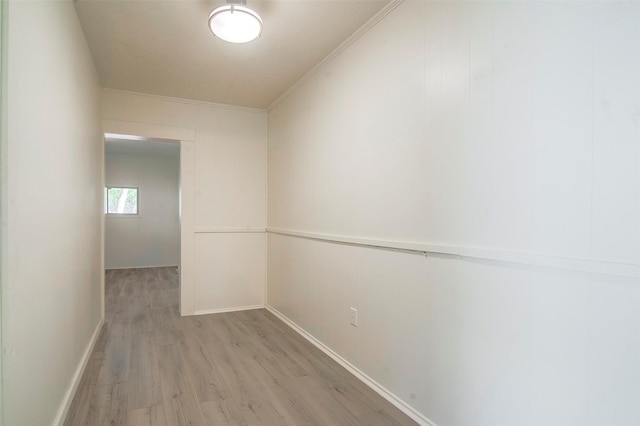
<point x="237" y="24"/>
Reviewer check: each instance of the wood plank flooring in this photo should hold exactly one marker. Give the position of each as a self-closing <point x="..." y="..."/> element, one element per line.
<point x="152" y="367"/>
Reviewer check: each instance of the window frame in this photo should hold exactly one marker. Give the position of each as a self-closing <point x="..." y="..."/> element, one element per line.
<point x="106" y="201"/>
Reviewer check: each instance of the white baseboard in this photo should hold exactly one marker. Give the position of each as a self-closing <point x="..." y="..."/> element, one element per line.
<point x="378" y="388"/>
<point x="232" y="309"/>
<point x="71" y="391"/>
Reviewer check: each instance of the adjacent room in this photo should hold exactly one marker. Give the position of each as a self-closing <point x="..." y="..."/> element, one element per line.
<point x="141" y="205"/>
<point x="367" y="212"/>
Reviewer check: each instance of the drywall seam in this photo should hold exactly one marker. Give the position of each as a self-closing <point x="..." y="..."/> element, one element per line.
<point x="71" y="391"/>
<point x="378" y="388"/>
<point x="338" y="50"/>
<point x="189" y="101"/>
<point x="596" y="266"/>
<point x="266" y="211"/>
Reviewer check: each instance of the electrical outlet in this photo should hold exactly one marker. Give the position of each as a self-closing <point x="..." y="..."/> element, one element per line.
<point x="353" y="316"/>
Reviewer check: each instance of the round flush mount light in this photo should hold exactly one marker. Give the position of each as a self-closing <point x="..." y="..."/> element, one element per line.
<point x="235" y="22"/>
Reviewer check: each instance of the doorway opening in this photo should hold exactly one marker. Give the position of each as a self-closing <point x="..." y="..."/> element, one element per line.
<point x="142" y="198"/>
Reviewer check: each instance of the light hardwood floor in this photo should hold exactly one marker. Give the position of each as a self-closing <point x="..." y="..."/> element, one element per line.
<point x="152" y="367"/>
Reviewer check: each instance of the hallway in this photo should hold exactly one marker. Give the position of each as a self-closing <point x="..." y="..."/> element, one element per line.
<point x="152" y="367"/>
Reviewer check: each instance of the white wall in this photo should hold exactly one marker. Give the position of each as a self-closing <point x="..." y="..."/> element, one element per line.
<point x="504" y="136"/>
<point x="52" y="291"/>
<point x="151" y="238"/>
<point x="227" y="172"/>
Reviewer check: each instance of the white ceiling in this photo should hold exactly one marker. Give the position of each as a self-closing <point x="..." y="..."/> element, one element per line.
<point x="165" y="47"/>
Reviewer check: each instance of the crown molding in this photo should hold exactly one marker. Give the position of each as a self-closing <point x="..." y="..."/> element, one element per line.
<point x="338" y="50"/>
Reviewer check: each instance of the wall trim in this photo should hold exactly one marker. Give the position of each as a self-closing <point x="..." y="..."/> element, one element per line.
<point x="75" y="382"/>
<point x="377" y="387"/>
<point x="232" y="309"/>
<point x="338" y="50"/>
<point x="595" y="266"/>
<point x="189" y="101"/>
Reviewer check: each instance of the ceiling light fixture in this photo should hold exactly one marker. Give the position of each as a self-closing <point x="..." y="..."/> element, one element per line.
<point x="234" y="22"/>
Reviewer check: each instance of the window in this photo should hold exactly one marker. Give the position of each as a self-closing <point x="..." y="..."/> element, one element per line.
<point x="118" y="200"/>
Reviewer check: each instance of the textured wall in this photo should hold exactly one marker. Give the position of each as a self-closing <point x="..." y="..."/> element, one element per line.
<point x="503" y="136"/>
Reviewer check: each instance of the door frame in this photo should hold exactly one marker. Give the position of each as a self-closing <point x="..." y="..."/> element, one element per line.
<point x="186" y="138"/>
